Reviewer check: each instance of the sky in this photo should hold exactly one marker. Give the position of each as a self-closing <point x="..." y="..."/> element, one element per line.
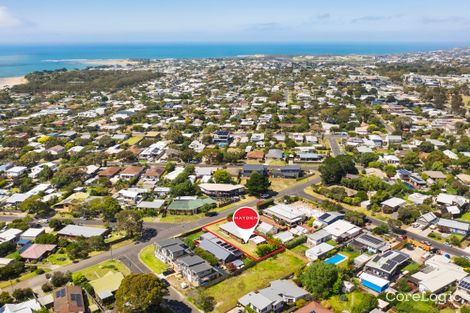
<point x="90" y="21"/>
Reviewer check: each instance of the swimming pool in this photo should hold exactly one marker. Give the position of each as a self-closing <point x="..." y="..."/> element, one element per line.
<point x="335" y="259"/>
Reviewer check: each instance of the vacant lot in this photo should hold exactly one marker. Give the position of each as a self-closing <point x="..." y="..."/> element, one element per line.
<point x="100" y="269"/>
<point x="227" y="292"/>
<point x="147" y="257"/>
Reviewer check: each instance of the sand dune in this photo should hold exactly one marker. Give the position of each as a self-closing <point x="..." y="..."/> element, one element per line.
<point x="11" y="81"/>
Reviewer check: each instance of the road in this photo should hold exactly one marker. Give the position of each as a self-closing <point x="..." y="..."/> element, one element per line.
<point x="129" y="254"/>
<point x="335" y="149"/>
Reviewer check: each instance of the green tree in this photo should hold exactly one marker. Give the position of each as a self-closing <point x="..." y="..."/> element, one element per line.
<point x="5" y="298"/>
<point x="22" y="294"/>
<point x="319" y="278"/>
<point x="46" y="239"/>
<point x="107" y="206"/>
<point x="131" y="222"/>
<point x="222" y="177"/>
<point x="203" y="301"/>
<point x="140" y="293"/>
<point x="33" y="205"/>
<point x="257" y="184"/>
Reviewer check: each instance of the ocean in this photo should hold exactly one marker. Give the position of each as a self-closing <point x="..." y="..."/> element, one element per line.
<point x="18" y="60"/>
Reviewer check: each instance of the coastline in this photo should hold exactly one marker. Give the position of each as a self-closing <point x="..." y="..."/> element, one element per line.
<point x="11" y="81"/>
<point x="97" y="62"/>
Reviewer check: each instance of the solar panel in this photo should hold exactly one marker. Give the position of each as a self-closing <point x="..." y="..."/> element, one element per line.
<point x="371" y="239"/>
<point x="399" y="258"/>
<point x="464" y="284"/>
<point x="60" y="293"/>
<point x="77" y="298"/>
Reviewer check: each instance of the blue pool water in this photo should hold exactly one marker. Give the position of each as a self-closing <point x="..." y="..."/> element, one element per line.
<point x="335" y="259"/>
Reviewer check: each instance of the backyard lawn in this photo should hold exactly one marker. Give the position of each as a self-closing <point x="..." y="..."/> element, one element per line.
<point x="259" y="276"/>
<point x="412" y="267"/>
<point x="59" y="259"/>
<point x="148" y="258"/>
<point x="465" y="217"/>
<point x="300" y="250"/>
<point x="99" y="270"/>
<point x="354" y="299"/>
<point x="133" y="140"/>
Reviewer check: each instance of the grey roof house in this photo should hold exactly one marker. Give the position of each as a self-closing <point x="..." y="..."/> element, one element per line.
<point x="273" y="298"/>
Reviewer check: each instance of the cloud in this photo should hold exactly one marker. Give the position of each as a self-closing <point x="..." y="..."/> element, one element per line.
<point x="266" y="27"/>
<point x="7" y="20"/>
<point x="375" y="18"/>
<point x="446" y="20"/>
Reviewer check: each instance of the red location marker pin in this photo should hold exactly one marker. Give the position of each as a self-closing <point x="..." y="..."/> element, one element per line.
<point x="246" y="219"/>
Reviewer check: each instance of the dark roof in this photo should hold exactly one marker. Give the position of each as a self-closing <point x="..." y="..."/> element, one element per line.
<point x="254" y="167"/>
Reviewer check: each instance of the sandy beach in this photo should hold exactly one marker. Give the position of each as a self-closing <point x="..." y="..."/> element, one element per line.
<point x="11" y="81"/>
<point x="108" y="62"/>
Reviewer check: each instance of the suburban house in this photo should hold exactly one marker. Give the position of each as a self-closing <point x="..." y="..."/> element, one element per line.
<point x="387" y="264"/>
<point x="328" y="218"/>
<point x="444" y="200"/>
<point x="168" y="250"/>
<point x="427" y="219"/>
<point x="31" y="233"/>
<point x="36" y="252"/>
<point x="69" y="299"/>
<point x="29" y="306"/>
<point x="438" y="274"/>
<point x="109" y="172"/>
<point x="462" y="294"/>
<point x="221" y="138"/>
<point x="231" y="230"/>
<point x="106" y="286"/>
<point x="285" y="214"/>
<point x="196" y="270"/>
<point x="463" y="178"/>
<point x="153" y="174"/>
<point x="131" y="172"/>
<point x="222" y="190"/>
<point x="76" y="231"/>
<point x="288" y="171"/>
<point x="318" y="251"/>
<point x="189" y="205"/>
<point x="392" y="204"/>
<point x="223" y="251"/>
<point x="255" y="155"/>
<point x="308" y="157"/>
<point x="452" y="226"/>
<point x="368" y="242"/>
<point x="342" y="230"/>
<point x="10" y="235"/>
<point x="318" y="237"/>
<point x="273" y="298"/>
<point x="275" y="154"/>
<point x="16" y="171"/>
<point x="248" y="169"/>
